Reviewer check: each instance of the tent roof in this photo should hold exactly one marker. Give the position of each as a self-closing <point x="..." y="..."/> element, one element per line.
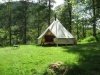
<point x="58" y="30"/>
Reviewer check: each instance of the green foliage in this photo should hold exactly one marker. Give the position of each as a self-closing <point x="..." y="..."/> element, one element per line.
<point x="98" y="37"/>
<point x="88" y="39"/>
<point x="3" y="37"/>
<point x="26" y="17"/>
<point x="62" y="12"/>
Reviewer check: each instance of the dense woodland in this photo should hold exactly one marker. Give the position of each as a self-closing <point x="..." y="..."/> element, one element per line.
<point x="21" y="22"/>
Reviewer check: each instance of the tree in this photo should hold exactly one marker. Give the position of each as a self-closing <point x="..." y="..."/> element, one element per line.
<point x="24" y="14"/>
<point x="25" y="21"/>
<point x="9" y="21"/>
<point x="94" y="18"/>
<point x="70" y="14"/>
<point x="49" y="12"/>
<point x="25" y="18"/>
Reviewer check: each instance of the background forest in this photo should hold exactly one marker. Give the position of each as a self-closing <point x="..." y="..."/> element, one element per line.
<point x="21" y="22"/>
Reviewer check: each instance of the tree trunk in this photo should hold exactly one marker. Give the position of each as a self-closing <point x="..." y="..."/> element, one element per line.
<point x="49" y="12"/>
<point x="84" y="33"/>
<point x="70" y="15"/>
<point x="94" y="19"/>
<point x="77" y="32"/>
<point x="9" y="22"/>
<point x="38" y="24"/>
<point x="84" y="30"/>
<point x="25" y="22"/>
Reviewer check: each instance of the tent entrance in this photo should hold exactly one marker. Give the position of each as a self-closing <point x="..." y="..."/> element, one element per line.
<point x="49" y="38"/>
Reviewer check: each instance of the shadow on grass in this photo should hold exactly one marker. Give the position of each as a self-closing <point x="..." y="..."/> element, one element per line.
<point x="89" y="62"/>
<point x="52" y="45"/>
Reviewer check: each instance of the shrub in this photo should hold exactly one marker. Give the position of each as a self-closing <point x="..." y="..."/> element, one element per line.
<point x="88" y="40"/>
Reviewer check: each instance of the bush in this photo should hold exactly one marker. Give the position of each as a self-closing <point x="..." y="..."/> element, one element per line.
<point x="88" y="40"/>
<point x="98" y="36"/>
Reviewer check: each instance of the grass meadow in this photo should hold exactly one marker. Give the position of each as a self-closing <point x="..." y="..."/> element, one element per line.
<point x="84" y="59"/>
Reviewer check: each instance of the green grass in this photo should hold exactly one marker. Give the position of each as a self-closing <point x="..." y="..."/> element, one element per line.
<point x="30" y="59"/>
<point x="84" y="59"/>
<point x="89" y="61"/>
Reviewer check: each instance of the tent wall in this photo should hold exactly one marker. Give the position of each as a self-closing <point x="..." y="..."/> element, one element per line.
<point x="39" y="41"/>
<point x="64" y="40"/>
<point x="60" y="41"/>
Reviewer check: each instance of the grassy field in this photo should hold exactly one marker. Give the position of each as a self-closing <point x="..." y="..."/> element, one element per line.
<point x="34" y="60"/>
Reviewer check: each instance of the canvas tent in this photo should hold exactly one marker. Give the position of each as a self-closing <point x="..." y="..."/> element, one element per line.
<point x="56" y="34"/>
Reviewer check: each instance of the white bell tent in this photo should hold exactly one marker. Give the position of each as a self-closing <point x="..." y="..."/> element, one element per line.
<point x="56" y="34"/>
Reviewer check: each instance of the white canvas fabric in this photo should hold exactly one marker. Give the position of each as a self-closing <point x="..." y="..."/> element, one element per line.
<point x="58" y="30"/>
